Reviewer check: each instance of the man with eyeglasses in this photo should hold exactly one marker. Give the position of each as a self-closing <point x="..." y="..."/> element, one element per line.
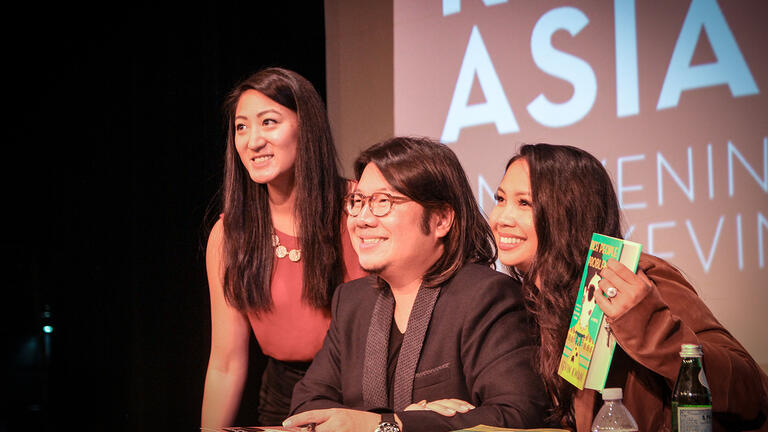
<point x="435" y="339"/>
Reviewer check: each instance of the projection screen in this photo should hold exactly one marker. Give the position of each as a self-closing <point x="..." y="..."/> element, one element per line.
<point x="670" y="95"/>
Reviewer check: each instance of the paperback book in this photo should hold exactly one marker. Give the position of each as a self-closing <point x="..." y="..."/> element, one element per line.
<point x="589" y="345"/>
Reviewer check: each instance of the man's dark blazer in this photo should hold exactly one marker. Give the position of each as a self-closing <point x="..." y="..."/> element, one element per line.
<point x="478" y="347"/>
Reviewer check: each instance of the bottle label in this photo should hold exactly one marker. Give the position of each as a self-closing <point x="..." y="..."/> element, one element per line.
<point x="694" y="418"/>
<point x="703" y="378"/>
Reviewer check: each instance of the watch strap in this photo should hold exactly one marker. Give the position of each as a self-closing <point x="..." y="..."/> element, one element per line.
<point x="388" y="417"/>
<point x="388" y="423"/>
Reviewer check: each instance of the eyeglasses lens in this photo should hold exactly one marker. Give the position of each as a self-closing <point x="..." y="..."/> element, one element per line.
<point x="379" y="203"/>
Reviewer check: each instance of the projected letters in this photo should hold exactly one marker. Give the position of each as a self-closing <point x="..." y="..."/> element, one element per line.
<point x="697" y="232"/>
<point x="704" y="17"/>
<point x="667" y="94"/>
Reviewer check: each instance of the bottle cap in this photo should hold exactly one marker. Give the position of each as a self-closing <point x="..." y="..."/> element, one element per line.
<point x="690" y="350"/>
<point x="612" y="393"/>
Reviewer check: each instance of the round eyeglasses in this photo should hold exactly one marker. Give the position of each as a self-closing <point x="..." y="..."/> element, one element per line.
<point x="379" y="203"/>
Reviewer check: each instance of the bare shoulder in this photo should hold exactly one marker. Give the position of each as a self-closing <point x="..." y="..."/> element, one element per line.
<point x="215" y="244"/>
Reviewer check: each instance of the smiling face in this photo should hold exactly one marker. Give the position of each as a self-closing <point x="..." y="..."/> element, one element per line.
<point x="393" y="246"/>
<point x="266" y="137"/>
<point x="512" y="219"/>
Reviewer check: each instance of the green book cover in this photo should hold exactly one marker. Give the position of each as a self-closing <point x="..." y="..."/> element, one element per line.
<point x="589" y="345"/>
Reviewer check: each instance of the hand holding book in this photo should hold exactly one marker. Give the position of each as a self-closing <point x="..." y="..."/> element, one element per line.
<point x="589" y="345"/>
<point x="631" y="289"/>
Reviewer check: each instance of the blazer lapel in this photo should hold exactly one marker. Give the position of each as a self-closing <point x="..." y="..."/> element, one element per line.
<point x="413" y="340"/>
<point x="375" y="363"/>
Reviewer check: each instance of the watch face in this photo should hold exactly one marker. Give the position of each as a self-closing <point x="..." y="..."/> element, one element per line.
<point x="387" y="427"/>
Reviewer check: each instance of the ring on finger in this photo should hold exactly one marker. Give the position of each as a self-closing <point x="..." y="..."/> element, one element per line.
<point x="611" y="292"/>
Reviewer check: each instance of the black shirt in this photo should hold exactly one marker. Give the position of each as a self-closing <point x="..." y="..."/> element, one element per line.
<point x="393" y="352"/>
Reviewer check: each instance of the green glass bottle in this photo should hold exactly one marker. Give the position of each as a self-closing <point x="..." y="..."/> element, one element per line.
<point x="691" y="399"/>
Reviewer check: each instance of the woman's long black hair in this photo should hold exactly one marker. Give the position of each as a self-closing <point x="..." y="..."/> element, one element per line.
<point x="248" y="251"/>
<point x="572" y="197"/>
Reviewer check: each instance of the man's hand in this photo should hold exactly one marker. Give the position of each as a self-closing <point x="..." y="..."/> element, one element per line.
<point x="446" y="407"/>
<point x="336" y="420"/>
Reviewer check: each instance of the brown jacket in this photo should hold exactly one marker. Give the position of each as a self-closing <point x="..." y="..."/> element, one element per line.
<point x="647" y="359"/>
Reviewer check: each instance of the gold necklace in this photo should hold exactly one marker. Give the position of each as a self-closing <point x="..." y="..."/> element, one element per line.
<point x="281" y="251"/>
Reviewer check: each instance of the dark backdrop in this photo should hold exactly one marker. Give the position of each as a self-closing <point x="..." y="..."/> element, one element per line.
<point x="113" y="144"/>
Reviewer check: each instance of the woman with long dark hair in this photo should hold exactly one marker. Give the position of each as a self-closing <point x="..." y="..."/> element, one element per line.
<point x="550" y="201"/>
<point x="280" y="247"/>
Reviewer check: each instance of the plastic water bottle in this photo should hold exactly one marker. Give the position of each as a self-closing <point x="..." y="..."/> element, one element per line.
<point x="613" y="415"/>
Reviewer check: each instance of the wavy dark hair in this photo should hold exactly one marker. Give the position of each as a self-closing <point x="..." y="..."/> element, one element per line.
<point x="573" y="197"/>
<point x="248" y="251"/>
<point x="430" y="174"/>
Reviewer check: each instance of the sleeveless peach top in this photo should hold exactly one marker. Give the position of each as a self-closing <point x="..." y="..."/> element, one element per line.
<point x="293" y="330"/>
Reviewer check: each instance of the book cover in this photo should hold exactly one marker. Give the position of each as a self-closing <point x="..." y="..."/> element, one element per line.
<point x="589" y="344"/>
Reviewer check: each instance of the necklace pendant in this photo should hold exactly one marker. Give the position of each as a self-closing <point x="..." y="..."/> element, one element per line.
<point x="294" y="255"/>
<point x="281" y="251"/>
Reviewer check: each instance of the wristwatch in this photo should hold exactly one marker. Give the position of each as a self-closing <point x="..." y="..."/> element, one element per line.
<point x="388" y="423"/>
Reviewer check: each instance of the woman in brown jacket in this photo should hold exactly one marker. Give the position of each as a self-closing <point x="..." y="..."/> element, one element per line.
<point x="551" y="200"/>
